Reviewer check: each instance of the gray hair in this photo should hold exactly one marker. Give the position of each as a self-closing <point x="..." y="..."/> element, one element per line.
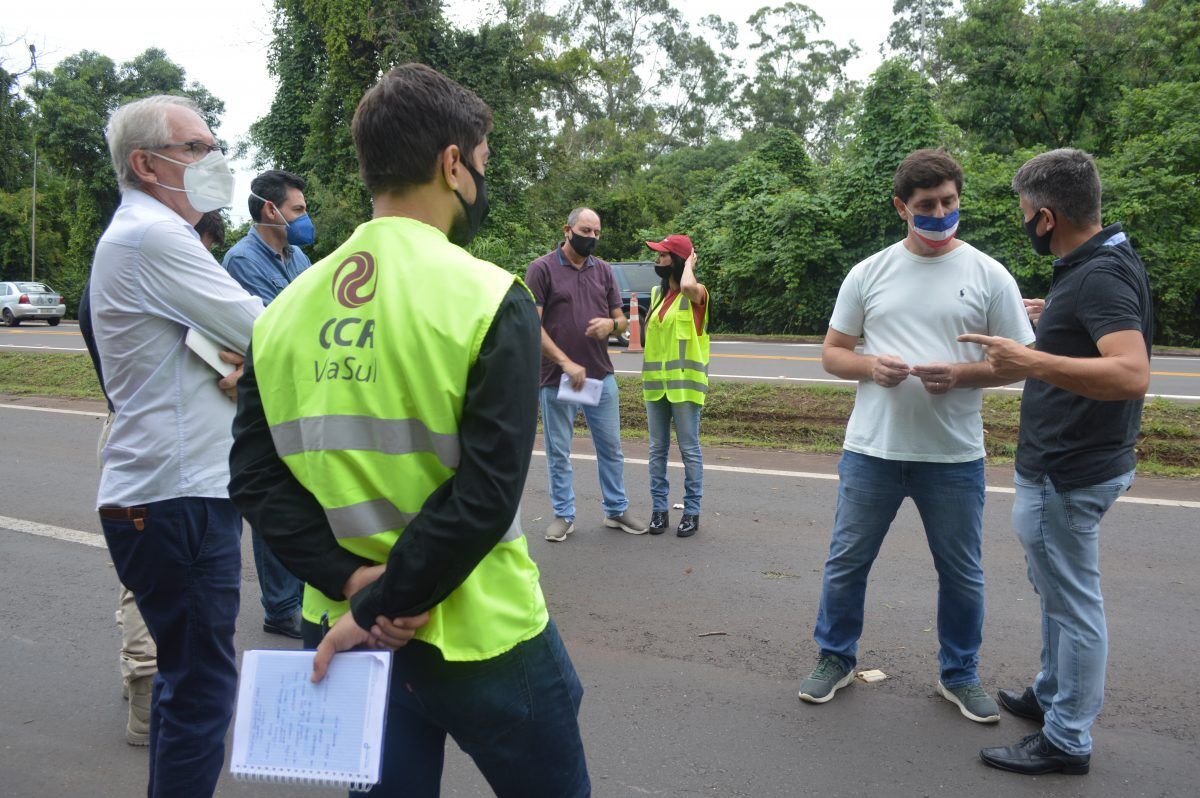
<point x="1066" y="181"/>
<point x="573" y="216"/>
<point x="140" y="125"/>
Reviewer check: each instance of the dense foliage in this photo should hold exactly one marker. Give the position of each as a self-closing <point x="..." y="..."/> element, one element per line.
<point x="779" y="168"/>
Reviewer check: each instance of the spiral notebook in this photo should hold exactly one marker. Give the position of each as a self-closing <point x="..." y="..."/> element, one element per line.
<point x="288" y="730"/>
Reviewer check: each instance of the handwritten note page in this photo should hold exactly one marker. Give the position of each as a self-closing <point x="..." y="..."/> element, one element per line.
<point x="324" y="733"/>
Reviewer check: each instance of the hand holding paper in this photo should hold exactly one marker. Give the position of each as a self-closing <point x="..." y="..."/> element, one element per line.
<point x="588" y="394"/>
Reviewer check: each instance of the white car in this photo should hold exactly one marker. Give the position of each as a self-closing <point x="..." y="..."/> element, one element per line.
<point x="22" y="301"/>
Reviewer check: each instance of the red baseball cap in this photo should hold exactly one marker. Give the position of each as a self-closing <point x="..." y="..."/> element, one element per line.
<point x="676" y="245"/>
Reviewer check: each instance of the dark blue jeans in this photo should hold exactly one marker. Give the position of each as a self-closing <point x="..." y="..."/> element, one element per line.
<point x="949" y="497"/>
<point x="281" y="592"/>
<point x="516" y="715"/>
<point x="184" y="568"/>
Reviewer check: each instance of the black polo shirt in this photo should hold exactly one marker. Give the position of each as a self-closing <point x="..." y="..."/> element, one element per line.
<point x="1099" y="288"/>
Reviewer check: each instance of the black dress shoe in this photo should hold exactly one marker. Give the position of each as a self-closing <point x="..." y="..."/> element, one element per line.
<point x="659" y="522"/>
<point x="1036" y="756"/>
<point x="288" y="627"/>
<point x="688" y="526"/>
<point x="1023" y="705"/>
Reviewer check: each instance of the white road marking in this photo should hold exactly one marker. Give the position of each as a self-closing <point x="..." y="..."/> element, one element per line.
<point x="92" y="413"/>
<point x="771" y="472"/>
<point x="45" y="348"/>
<point x="56" y="532"/>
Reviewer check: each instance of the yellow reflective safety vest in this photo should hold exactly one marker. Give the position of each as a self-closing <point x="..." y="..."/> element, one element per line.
<point x="362" y="366"/>
<point x="676" y="358"/>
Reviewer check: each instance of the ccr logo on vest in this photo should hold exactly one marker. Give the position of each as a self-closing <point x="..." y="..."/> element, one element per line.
<point x="353" y="287"/>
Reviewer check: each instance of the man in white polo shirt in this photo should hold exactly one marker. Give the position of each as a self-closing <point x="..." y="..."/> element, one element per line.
<point x="916" y="429"/>
<point x="173" y="534"/>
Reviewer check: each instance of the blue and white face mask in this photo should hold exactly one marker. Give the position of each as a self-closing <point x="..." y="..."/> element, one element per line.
<point x="935" y="231"/>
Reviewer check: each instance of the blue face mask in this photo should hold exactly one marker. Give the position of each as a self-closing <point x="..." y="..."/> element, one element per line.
<point x="300" y="231"/>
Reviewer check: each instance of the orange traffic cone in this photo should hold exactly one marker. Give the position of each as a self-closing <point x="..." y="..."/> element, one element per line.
<point x="635" y="326"/>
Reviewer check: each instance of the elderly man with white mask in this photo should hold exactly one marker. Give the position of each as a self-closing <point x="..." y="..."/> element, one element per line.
<point x="173" y="534"/>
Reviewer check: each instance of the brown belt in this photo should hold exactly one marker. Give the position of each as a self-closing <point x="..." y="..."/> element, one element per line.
<point x="135" y="514"/>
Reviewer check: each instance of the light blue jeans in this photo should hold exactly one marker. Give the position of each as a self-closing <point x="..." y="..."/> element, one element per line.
<point x="949" y="497"/>
<point x="604" y="424"/>
<point x="1060" y="532"/>
<point x="687" y="434"/>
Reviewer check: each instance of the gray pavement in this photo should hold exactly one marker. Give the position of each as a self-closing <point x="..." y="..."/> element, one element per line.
<point x="1172" y="376"/>
<point x="671" y="709"/>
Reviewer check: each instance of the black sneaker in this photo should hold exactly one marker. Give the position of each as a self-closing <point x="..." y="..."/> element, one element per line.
<point x="688" y="526"/>
<point x="288" y="627"/>
<point x="1023" y="705"/>
<point x="1035" y="756"/>
<point x="659" y="521"/>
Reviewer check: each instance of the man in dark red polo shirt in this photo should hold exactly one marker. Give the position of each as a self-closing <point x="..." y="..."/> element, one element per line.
<point x="580" y="307"/>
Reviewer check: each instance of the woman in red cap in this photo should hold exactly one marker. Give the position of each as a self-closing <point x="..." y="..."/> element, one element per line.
<point x="675" y="379"/>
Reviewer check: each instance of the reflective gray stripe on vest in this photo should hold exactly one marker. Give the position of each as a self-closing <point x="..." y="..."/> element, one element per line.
<point x="686" y="385"/>
<point x="652" y="365"/>
<point x="380" y="515"/>
<point x="364" y="433"/>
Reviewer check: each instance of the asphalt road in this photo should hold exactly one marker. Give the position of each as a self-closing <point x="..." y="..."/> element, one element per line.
<point x="690" y="650"/>
<point x="1172" y="377"/>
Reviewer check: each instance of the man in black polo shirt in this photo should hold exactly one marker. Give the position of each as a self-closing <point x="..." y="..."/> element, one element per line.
<point x="1080" y="415"/>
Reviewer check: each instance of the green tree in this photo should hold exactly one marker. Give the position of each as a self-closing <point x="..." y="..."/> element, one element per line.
<point x="793" y="72"/>
<point x="1050" y="78"/>
<point x="914" y="34"/>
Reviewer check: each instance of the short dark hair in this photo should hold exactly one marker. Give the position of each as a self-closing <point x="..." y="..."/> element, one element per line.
<point x="1066" y="181"/>
<point x="406" y="119"/>
<point x="272" y="186"/>
<point x="212" y="224"/>
<point x="927" y="168"/>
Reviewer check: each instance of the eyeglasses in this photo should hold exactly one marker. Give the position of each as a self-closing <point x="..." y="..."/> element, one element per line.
<point x="198" y="149"/>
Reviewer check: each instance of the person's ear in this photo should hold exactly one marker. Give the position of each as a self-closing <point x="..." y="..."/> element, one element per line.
<point x="1048" y="219"/>
<point x="451" y="165"/>
<point x="899" y="206"/>
<point x="142" y="163"/>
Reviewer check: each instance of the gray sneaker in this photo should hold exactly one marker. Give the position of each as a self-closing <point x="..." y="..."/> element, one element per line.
<point x="559" y="529"/>
<point x="826" y="679"/>
<point x="627" y="522"/>
<point x="972" y="702"/>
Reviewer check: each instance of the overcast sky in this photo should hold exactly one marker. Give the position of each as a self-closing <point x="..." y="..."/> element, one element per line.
<point x="223" y="43"/>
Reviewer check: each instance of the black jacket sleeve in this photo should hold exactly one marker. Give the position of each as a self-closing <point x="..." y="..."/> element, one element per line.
<point x="467" y="515"/>
<point x="288" y="517"/>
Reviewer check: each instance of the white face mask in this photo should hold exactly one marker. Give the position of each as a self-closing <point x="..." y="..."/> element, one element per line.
<point x="208" y="182"/>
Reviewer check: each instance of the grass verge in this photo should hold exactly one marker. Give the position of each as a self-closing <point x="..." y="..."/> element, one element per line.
<point x="803" y="418"/>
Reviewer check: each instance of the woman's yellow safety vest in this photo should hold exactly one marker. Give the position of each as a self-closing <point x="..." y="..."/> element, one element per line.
<point x="362" y="365"/>
<point x="676" y="358"/>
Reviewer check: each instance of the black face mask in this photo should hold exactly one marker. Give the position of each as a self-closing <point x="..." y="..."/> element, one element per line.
<point x="1041" y="243"/>
<point x="464" y="228"/>
<point x="584" y="245"/>
<point x="669" y="272"/>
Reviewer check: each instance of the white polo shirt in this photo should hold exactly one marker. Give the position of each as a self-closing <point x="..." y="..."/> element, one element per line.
<point x="914" y="307"/>
<point x="151" y="280"/>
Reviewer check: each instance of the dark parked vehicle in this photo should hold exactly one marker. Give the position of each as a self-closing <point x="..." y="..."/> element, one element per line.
<point x="636" y="278"/>
<point x="22" y="301"/>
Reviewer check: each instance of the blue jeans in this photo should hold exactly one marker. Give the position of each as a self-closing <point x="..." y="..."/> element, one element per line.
<point x="184" y="568"/>
<point x="604" y="424"/>
<point x="687" y="434"/>
<point x="281" y="592"/>
<point x="1060" y="532"/>
<point x="515" y="715"/>
<point x="949" y="497"/>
